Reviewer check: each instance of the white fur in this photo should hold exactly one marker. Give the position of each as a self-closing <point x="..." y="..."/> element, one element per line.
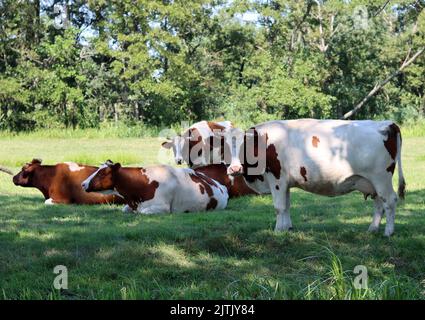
<point x="85" y="184"/>
<point x="49" y="202"/>
<point x="74" y="166"/>
<point x="177" y="192"/>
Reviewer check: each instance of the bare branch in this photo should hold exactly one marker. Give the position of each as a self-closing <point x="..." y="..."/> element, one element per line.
<point x="322" y="46"/>
<point x="381" y="84"/>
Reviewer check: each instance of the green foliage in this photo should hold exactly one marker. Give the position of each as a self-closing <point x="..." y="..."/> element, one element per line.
<point x="162" y="62"/>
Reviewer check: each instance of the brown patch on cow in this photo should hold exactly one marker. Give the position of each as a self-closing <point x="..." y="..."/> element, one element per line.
<point x="135" y="186"/>
<point x="212" y="204"/>
<point x="60" y="184"/>
<point x="303" y="173"/>
<point x="315" y="141"/>
<point x="201" y="188"/>
<point x="391" y="142"/>
<point x="272" y="162"/>
<point x="215" y="126"/>
<point x="202" y="182"/>
<point x="195" y="138"/>
<point x="277" y="187"/>
<point x="218" y="172"/>
<point x="391" y="168"/>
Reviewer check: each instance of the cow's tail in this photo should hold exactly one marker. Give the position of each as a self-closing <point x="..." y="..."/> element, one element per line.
<point x="5" y="170"/>
<point x="401" y="181"/>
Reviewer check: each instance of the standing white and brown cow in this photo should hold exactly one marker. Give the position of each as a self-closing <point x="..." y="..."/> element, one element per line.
<point x="201" y="144"/>
<point x="158" y="189"/>
<point x="326" y="157"/>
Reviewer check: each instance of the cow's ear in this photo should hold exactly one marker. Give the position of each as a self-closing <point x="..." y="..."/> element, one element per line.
<point x="116" y="166"/>
<point x="167" y="144"/>
<point x="36" y="161"/>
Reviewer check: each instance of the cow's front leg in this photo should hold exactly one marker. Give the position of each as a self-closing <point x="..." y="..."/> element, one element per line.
<point x="127" y="209"/>
<point x="154" y="209"/>
<point x="49" y="202"/>
<point x="377" y="216"/>
<point x="281" y="201"/>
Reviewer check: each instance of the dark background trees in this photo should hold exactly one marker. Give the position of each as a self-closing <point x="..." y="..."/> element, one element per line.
<point x="72" y="63"/>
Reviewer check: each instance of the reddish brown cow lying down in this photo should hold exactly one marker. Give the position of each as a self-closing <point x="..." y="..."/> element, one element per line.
<point x="61" y="183"/>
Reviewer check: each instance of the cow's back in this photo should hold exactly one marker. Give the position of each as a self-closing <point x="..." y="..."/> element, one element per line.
<point x="311" y="151"/>
<point x="66" y="186"/>
<point x="186" y="190"/>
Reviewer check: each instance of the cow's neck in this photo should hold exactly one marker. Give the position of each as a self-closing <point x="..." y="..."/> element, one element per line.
<point x="129" y="184"/>
<point x="42" y="179"/>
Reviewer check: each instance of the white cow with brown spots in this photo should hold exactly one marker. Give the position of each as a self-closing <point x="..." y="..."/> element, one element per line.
<point x="158" y="189"/>
<point x="201" y="144"/>
<point x="327" y="157"/>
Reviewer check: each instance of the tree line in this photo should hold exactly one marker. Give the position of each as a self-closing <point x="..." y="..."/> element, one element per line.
<point x="73" y="63"/>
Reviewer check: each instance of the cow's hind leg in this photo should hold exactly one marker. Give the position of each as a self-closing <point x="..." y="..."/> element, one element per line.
<point x="388" y="197"/>
<point x="377" y="215"/>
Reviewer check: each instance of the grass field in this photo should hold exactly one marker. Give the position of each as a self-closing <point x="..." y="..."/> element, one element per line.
<point x="230" y="254"/>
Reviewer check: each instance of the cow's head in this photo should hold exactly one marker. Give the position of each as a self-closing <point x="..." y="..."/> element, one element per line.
<point x="178" y="144"/>
<point x="187" y="147"/>
<point x="245" y="152"/>
<point x="25" y="177"/>
<point x="103" y="179"/>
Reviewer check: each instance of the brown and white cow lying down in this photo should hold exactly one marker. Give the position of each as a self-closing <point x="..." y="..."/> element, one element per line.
<point x="327" y="157"/>
<point x="200" y="144"/>
<point x="158" y="189"/>
<point x="61" y="183"/>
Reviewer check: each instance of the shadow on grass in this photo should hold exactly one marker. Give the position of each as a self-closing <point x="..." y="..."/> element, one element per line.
<point x="210" y="249"/>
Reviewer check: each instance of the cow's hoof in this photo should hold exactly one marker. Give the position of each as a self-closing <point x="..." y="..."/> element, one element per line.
<point x="283" y="229"/>
<point x="373" y="229"/>
<point x="388" y="233"/>
<point x="127" y="209"/>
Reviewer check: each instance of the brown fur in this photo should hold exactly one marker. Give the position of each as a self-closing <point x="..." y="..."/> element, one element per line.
<point x="61" y="184"/>
<point x="212" y="204"/>
<point x="219" y="173"/>
<point x="315" y="141"/>
<point x="215" y="126"/>
<point x="391" y="142"/>
<point x="272" y="162"/>
<point x="391" y="168"/>
<point x="131" y="183"/>
<point x="202" y="182"/>
<point x="303" y="173"/>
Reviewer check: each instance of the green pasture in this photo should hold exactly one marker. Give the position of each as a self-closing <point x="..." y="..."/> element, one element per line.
<point x="232" y="254"/>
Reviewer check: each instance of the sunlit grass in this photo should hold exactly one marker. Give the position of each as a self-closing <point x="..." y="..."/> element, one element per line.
<point x="231" y="254"/>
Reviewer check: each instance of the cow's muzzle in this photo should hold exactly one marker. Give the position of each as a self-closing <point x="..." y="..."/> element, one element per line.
<point x="86" y="186"/>
<point x="235" y="170"/>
